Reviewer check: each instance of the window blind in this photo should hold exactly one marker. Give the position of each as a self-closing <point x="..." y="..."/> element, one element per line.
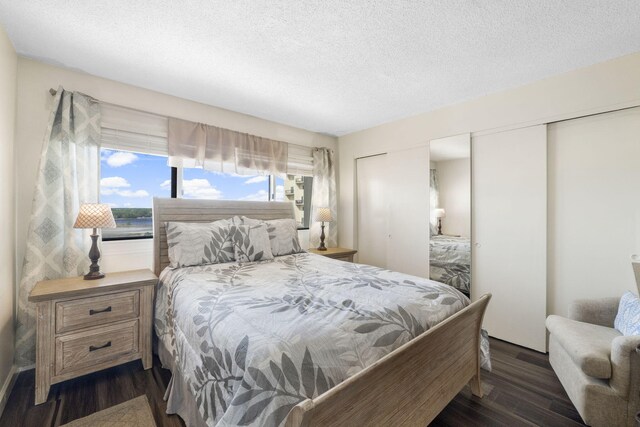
<point x="127" y="129"/>
<point x="300" y="160"/>
<point x="131" y="130"/>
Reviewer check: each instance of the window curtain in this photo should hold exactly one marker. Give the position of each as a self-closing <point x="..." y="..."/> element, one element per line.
<point x="324" y="195"/>
<point x="222" y="150"/>
<point x="67" y="177"/>
<point x="433" y="193"/>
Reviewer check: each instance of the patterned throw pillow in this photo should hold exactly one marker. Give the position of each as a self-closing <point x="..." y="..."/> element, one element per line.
<point x="628" y="317"/>
<point x="250" y="243"/>
<point x="283" y="235"/>
<point x="192" y="243"/>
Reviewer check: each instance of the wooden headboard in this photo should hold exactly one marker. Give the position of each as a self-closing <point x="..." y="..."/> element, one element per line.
<point x="185" y="210"/>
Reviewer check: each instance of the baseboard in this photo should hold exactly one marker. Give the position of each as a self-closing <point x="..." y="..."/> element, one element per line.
<point x="5" y="391"/>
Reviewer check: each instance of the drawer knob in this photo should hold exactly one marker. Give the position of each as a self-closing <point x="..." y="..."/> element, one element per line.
<point x="94" y="347"/>
<point x="104" y="310"/>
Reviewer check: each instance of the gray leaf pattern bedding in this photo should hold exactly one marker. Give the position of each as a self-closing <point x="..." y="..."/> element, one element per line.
<point x="450" y="261"/>
<point x="253" y="340"/>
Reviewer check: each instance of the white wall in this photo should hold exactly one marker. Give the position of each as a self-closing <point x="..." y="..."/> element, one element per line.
<point x="8" y="67"/>
<point x="34" y="102"/>
<point x="594" y="207"/>
<point x="454" y="195"/>
<point x="597" y="88"/>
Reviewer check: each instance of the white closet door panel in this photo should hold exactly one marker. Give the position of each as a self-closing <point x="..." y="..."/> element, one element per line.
<point x="509" y="232"/>
<point x="594" y="207"/>
<point x="407" y="173"/>
<point x="372" y="210"/>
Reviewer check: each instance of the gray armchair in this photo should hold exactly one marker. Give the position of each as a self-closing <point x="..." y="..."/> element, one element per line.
<point x="598" y="367"/>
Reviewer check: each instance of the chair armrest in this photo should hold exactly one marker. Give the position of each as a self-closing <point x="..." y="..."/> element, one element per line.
<point x="625" y="352"/>
<point x="600" y="311"/>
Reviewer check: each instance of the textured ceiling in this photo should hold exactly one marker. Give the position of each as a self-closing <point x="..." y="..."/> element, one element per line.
<point x="332" y="66"/>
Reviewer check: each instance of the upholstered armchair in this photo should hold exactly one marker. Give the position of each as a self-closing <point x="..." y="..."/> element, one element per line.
<point x="598" y="366"/>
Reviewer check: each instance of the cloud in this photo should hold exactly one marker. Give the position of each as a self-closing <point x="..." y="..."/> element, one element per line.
<point x="114" y="185"/>
<point x="197" y="188"/>
<point x="114" y="182"/>
<point x="129" y="193"/>
<point x="120" y="158"/>
<point x="260" y="196"/>
<point x="257" y="179"/>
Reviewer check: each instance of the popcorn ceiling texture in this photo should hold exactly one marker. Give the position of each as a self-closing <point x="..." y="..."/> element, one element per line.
<point x="330" y="66"/>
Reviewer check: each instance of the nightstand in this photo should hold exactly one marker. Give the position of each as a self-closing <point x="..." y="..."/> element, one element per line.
<point x="84" y="326"/>
<point x="342" y="254"/>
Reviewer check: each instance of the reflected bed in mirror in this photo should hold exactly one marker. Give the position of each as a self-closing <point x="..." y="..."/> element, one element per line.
<point x="450" y="211"/>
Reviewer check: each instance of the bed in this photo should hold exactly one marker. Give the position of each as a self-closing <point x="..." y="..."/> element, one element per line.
<point x="450" y="261"/>
<point x="304" y="340"/>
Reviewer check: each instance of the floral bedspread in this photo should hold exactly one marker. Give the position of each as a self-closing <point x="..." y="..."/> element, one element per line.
<point x="450" y="261"/>
<point x="253" y="340"/>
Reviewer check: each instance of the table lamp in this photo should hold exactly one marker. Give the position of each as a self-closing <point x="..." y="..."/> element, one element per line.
<point x="439" y="213"/>
<point x="323" y="215"/>
<point x="94" y="215"/>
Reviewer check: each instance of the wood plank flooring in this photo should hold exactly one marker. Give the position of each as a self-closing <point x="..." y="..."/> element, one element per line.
<point x="522" y="390"/>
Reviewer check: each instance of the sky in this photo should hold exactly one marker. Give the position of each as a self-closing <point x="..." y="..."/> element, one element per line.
<point x="131" y="180"/>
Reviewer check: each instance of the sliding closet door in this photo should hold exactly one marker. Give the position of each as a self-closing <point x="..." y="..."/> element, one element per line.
<point x="594" y="207"/>
<point x="509" y="231"/>
<point x="407" y="174"/>
<point x="372" y="210"/>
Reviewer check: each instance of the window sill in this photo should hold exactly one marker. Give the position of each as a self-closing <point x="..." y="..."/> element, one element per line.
<point x="118" y="239"/>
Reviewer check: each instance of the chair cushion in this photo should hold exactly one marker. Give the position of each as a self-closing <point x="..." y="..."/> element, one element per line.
<point x="589" y="346"/>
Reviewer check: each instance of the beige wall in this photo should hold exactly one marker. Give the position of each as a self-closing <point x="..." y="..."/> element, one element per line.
<point x="454" y="195"/>
<point x="8" y="66"/>
<point x="34" y="102"/>
<point x="600" y="87"/>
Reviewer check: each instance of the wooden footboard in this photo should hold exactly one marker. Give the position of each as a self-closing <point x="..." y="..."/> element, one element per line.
<point x="411" y="385"/>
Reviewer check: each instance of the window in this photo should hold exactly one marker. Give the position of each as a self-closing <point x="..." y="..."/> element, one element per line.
<point x="128" y="183"/>
<point x="134" y="169"/>
<point x="297" y="189"/>
<point x="201" y="184"/>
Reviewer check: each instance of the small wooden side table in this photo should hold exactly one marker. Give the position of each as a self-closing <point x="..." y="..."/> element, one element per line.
<point x="342" y="254"/>
<point x="85" y="326"/>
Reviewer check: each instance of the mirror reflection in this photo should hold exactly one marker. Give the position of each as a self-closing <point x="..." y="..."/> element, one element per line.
<point x="450" y="212"/>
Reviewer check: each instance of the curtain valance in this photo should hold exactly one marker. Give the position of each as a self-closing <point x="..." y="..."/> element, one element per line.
<point x="223" y="150"/>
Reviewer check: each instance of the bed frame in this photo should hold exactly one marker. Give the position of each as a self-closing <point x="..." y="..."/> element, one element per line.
<point x="407" y="387"/>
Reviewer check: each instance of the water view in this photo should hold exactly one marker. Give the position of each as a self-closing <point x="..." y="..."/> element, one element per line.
<point x="130" y="222"/>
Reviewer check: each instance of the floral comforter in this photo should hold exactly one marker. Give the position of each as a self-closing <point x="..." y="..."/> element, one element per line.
<point x="450" y="261"/>
<point x="252" y="340"/>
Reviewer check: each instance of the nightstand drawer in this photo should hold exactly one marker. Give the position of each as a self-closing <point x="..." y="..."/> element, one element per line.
<point x="99" y="346"/>
<point x="85" y="312"/>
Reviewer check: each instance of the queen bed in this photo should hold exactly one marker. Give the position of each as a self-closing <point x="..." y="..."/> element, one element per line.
<point x="301" y="339"/>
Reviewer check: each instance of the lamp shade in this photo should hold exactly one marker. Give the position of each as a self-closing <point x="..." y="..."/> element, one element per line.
<point x="95" y="215"/>
<point x="323" y="215"/>
<point x="439" y="213"/>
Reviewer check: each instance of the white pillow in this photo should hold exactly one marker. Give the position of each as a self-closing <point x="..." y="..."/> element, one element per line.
<point x="283" y="235"/>
<point x="193" y="243"/>
<point x="628" y="318"/>
<point x="250" y="243"/>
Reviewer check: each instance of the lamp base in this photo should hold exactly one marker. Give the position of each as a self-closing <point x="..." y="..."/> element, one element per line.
<point x="93" y="275"/>
<point x="94" y="255"/>
<point x="322" y="247"/>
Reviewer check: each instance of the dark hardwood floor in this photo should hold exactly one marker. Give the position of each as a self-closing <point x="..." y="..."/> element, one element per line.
<point x="521" y="390"/>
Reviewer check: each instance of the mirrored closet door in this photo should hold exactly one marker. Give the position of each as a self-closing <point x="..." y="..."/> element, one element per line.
<point x="450" y="211"/>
